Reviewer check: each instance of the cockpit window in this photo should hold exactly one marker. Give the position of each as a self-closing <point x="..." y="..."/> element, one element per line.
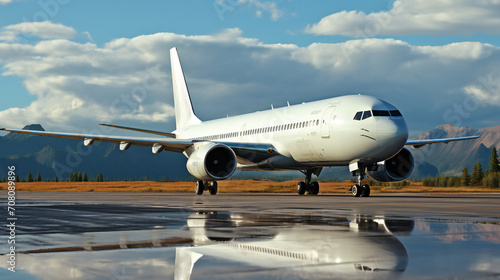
<point x="396" y="113"/>
<point x="358" y="116"/>
<point x="376" y="113"/>
<point x="366" y="114"/>
<point x="380" y="113"/>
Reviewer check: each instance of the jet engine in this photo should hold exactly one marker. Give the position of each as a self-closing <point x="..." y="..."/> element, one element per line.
<point x="397" y="168"/>
<point x="213" y="161"/>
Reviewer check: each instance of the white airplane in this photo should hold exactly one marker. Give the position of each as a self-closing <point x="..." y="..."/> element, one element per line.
<point x="362" y="132"/>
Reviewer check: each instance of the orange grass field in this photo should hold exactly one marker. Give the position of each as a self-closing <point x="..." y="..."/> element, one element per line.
<point x="228" y="186"/>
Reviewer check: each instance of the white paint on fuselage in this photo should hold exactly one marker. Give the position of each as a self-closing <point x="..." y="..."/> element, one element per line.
<point x="320" y="133"/>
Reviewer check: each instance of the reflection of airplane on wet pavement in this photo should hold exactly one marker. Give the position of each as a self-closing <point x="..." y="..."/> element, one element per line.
<point x="362" y="246"/>
<point x="362" y="132"/>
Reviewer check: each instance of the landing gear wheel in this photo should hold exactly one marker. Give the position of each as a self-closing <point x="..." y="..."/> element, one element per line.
<point x="301" y="188"/>
<point x="213" y="188"/>
<point x="200" y="187"/>
<point x="356" y="190"/>
<point x="314" y="188"/>
<point x="365" y="191"/>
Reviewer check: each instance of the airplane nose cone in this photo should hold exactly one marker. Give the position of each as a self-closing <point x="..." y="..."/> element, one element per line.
<point x="391" y="132"/>
<point x="392" y="255"/>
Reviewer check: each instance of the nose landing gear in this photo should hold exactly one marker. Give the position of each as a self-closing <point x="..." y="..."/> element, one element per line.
<point x="360" y="190"/>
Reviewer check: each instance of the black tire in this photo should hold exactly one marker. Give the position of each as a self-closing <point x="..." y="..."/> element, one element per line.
<point x="314" y="188"/>
<point x="301" y="188"/>
<point x="365" y="191"/>
<point x="213" y="188"/>
<point x="356" y="191"/>
<point x="200" y="187"/>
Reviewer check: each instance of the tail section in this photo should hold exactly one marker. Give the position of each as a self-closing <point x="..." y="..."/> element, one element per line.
<point x="184" y="113"/>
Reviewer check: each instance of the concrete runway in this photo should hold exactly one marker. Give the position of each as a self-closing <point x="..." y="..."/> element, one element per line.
<point x="480" y="206"/>
<point x="96" y="235"/>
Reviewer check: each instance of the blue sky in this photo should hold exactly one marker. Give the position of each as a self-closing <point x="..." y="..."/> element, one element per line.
<point x="436" y="65"/>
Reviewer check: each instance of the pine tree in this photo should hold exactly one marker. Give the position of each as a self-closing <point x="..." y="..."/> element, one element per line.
<point x="465" y="181"/>
<point x="100" y="178"/>
<point x="477" y="175"/>
<point x="56" y="180"/>
<point x="38" y="178"/>
<point x="85" y="178"/>
<point x="79" y="177"/>
<point x="443" y="181"/>
<point x="494" y="163"/>
<point x="30" y="178"/>
<point x="17" y="178"/>
<point x="164" y="179"/>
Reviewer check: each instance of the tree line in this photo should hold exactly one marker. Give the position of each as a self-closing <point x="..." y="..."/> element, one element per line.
<point x="477" y="178"/>
<point x="73" y="177"/>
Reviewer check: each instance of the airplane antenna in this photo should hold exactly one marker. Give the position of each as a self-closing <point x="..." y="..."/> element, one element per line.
<point x="288" y="103"/>
<point x="272" y="106"/>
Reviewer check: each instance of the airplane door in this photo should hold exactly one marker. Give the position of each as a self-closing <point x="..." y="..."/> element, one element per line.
<point x="325" y="122"/>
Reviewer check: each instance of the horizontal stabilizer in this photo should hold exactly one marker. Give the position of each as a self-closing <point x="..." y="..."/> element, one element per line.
<point x="171" y="135"/>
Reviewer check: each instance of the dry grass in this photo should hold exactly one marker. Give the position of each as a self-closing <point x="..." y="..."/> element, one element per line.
<point x="229" y="186"/>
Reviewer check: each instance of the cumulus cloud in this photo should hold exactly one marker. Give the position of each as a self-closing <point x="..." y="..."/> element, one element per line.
<point x="127" y="81"/>
<point x="270" y="7"/>
<point x="44" y="30"/>
<point x="415" y="17"/>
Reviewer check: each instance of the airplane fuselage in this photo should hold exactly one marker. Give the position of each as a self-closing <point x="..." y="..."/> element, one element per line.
<point x="320" y="133"/>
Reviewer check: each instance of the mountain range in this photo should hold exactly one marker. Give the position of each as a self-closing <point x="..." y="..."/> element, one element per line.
<point x="59" y="157"/>
<point x="450" y="159"/>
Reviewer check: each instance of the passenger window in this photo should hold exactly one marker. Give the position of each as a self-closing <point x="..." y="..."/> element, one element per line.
<point x="358" y="116"/>
<point x="366" y="114"/>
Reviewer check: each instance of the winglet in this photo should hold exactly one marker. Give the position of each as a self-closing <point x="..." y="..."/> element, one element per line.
<point x="184" y="113"/>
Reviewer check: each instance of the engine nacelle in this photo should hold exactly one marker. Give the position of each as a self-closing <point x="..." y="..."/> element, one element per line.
<point x="213" y="161"/>
<point x="397" y="168"/>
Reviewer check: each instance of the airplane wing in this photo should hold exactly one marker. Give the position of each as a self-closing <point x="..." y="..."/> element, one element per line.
<point x="420" y="143"/>
<point x="246" y="152"/>
<point x="169" y="144"/>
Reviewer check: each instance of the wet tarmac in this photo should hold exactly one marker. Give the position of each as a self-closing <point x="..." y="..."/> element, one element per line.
<point x="130" y="236"/>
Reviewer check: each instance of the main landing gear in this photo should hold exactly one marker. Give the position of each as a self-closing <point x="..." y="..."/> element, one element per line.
<point x="307" y="185"/>
<point x="360" y="190"/>
<point x="208" y="186"/>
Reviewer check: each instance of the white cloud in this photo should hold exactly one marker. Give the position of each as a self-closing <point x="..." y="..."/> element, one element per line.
<point x="5" y="2"/>
<point x="415" y="17"/>
<point x="266" y="6"/>
<point x="44" y="30"/>
<point x="270" y="7"/>
<point x="127" y="80"/>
